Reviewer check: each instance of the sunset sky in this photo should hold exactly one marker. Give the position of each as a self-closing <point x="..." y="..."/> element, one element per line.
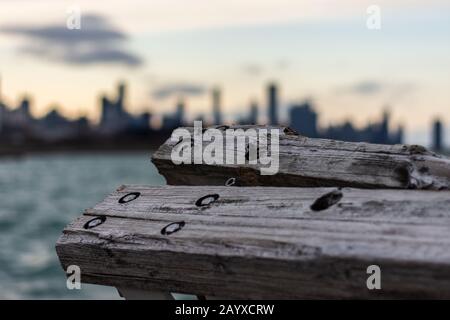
<point x="316" y="49"/>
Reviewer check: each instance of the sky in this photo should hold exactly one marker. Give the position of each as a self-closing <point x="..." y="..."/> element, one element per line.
<point x="319" y="50"/>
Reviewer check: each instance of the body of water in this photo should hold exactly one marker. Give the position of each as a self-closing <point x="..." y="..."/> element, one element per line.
<point x="40" y="194"/>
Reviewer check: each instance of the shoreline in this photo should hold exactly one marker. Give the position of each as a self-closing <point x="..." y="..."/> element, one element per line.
<point x="23" y="151"/>
<point x="28" y="153"/>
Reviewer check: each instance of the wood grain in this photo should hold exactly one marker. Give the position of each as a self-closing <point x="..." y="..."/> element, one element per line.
<point x="307" y="162"/>
<point x="264" y="242"/>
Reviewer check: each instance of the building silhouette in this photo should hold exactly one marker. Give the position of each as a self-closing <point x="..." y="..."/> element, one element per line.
<point x="172" y="121"/>
<point x="2" y="107"/>
<point x="383" y="133"/>
<point x="121" y="96"/>
<point x="252" y="117"/>
<point x="437" y="136"/>
<point x="17" y="125"/>
<point x="55" y="126"/>
<point x="304" y="119"/>
<point x="114" y="119"/>
<point x="272" y="95"/>
<point x="179" y="116"/>
<point x="216" y="103"/>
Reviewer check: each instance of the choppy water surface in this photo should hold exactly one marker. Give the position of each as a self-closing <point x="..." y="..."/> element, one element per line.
<point x="40" y="194"/>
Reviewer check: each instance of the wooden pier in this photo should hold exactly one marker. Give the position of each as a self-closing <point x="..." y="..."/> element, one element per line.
<point x="265" y="242"/>
<point x="307" y="162"/>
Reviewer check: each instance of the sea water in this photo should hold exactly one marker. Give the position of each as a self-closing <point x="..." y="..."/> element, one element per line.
<point x="39" y="195"/>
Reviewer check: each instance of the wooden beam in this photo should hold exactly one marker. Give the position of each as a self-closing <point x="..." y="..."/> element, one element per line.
<point x="264" y="242"/>
<point x="306" y="162"/>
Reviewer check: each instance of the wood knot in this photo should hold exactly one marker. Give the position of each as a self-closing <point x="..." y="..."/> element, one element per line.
<point x="417" y="149"/>
<point x="402" y="173"/>
<point x="289" y="131"/>
<point x="327" y="200"/>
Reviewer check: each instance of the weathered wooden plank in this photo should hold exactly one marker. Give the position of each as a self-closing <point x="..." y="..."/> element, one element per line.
<point x="306" y="162"/>
<point x="265" y="242"/>
<point x="136" y="294"/>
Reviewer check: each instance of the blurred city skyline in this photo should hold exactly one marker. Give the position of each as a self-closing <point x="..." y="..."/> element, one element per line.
<point x="318" y="50"/>
<point x="18" y="127"/>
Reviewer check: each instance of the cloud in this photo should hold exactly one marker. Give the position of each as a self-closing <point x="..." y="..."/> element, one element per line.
<point x="253" y="69"/>
<point x="364" y="88"/>
<point x="372" y="87"/>
<point x="96" y="42"/>
<point x="257" y="69"/>
<point x="283" y="64"/>
<point x="181" y="89"/>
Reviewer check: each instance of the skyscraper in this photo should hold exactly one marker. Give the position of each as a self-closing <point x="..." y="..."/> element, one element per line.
<point x="383" y="136"/>
<point x="216" y="106"/>
<point x="121" y="97"/>
<point x="179" y="115"/>
<point x="272" y="91"/>
<point x="114" y="117"/>
<point x="253" y="117"/>
<point x="437" y="135"/>
<point x="1" y="106"/>
<point x="304" y="120"/>
<point x="24" y="106"/>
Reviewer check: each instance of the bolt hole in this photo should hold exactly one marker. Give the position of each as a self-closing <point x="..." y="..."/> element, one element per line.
<point x="94" y="222"/>
<point x="207" y="200"/>
<point x="129" y="197"/>
<point x="230" y="182"/>
<point x="172" y="228"/>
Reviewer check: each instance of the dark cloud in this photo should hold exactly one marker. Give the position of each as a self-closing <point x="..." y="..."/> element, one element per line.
<point x="182" y="89"/>
<point x="96" y="42"/>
